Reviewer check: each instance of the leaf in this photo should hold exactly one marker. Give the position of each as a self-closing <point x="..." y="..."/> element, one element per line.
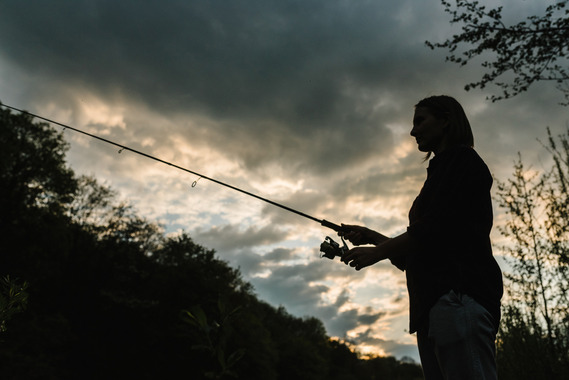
<point x="235" y="357"/>
<point x="197" y="318"/>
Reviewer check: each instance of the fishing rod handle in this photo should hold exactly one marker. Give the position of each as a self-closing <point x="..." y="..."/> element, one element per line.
<point x="331" y="225"/>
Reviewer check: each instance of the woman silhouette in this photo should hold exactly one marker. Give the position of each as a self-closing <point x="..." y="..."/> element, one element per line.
<point x="453" y="280"/>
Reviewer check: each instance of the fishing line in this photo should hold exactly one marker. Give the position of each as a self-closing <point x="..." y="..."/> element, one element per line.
<point x="322" y="222"/>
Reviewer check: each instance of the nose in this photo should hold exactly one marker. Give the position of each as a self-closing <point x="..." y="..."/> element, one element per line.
<point x="413" y="132"/>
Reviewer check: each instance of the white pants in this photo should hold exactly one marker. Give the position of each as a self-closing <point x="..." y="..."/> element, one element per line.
<point x="459" y="341"/>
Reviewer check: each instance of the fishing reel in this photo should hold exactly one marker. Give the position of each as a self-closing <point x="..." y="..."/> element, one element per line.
<point x="330" y="249"/>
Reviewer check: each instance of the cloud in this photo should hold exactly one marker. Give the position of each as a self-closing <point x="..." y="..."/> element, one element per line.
<point x="230" y="237"/>
<point x="399" y="350"/>
<point x="274" y="78"/>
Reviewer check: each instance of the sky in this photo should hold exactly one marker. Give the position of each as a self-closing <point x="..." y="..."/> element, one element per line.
<point x="306" y="102"/>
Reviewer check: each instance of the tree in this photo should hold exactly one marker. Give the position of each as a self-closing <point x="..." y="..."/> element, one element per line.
<point x="36" y="186"/>
<point x="33" y="171"/>
<point x="534" y="339"/>
<point x="530" y="51"/>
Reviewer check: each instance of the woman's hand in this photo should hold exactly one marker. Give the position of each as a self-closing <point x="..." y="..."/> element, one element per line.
<point x="397" y="247"/>
<point x="361" y="257"/>
<point x="359" y="235"/>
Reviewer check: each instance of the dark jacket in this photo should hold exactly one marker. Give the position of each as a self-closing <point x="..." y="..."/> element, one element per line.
<point x="450" y="221"/>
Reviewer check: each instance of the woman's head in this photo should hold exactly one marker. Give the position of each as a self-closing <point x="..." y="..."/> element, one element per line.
<point x="446" y="121"/>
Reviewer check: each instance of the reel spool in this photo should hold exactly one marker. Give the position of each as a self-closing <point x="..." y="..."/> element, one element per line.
<point x="330" y="249"/>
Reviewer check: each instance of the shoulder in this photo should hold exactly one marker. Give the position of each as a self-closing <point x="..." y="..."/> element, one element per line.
<point x="463" y="158"/>
<point x="462" y="153"/>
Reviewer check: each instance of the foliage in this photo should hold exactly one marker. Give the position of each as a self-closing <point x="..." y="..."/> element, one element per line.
<point x="529" y="51"/>
<point x="524" y="352"/>
<point x="32" y="167"/>
<point x="215" y="335"/>
<point x="535" y="327"/>
<point x="13" y="299"/>
<point x="108" y="295"/>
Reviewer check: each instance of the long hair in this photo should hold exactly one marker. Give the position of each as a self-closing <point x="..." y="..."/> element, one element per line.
<point x="446" y="107"/>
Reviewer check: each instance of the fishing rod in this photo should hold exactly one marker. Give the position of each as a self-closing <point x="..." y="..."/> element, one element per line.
<point x="322" y="222"/>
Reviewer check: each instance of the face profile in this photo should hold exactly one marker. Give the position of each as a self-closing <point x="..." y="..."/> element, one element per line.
<point x="429" y="131"/>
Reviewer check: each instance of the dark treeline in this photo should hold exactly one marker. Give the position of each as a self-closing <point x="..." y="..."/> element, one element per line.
<point x="90" y="290"/>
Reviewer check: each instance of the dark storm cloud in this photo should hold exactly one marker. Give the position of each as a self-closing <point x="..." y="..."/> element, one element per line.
<point x="300" y="287"/>
<point x="230" y="237"/>
<point x="279" y="254"/>
<point x="369" y="318"/>
<point x="338" y="322"/>
<point x="279" y="77"/>
<point x="315" y="270"/>
<point x="342" y="299"/>
<point x="290" y="289"/>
